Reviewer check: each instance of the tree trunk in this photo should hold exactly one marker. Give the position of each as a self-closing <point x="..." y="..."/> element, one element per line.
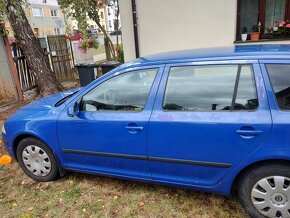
<point x="36" y="59"/>
<point x="111" y="45"/>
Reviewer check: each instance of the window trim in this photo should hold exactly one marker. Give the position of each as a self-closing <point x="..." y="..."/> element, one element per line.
<point x="157" y="67"/>
<point x="42" y="14"/>
<point x="236" y="86"/>
<point x="261" y="18"/>
<point x="271" y="85"/>
<point x="52" y="9"/>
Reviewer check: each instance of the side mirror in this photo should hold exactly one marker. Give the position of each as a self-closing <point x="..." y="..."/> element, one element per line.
<point x="73" y="110"/>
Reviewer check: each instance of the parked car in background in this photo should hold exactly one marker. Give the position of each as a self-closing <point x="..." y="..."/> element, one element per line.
<point x="115" y="32"/>
<point x="213" y="120"/>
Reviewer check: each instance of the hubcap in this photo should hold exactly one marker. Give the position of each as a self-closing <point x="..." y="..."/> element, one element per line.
<point x="271" y="196"/>
<point x="36" y="160"/>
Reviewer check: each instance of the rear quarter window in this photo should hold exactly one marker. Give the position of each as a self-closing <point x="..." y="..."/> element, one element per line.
<point x="279" y="75"/>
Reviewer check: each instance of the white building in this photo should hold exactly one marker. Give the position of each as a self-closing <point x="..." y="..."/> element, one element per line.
<point x="167" y="25"/>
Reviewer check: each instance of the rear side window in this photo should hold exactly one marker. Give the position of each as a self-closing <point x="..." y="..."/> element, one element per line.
<point x="210" y="88"/>
<point x="279" y="75"/>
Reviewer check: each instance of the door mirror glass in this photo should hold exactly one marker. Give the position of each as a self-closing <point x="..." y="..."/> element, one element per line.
<point x="73" y="110"/>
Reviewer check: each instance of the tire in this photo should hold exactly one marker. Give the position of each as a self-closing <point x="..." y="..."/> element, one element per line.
<point x="37" y="160"/>
<point x="265" y="191"/>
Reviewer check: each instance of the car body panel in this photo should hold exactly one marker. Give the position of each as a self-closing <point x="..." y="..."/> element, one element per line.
<point x="196" y="136"/>
<point x="103" y="137"/>
<point x="153" y="160"/>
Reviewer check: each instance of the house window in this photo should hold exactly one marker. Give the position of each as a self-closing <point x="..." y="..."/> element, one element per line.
<point x="56" y="31"/>
<point x="53" y="12"/>
<point x="36" y="31"/>
<point x="251" y="12"/>
<point x="37" y="12"/>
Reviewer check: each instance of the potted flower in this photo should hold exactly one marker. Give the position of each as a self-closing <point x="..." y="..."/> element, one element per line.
<point x="255" y="35"/>
<point x="279" y="29"/>
<point x="244" y="34"/>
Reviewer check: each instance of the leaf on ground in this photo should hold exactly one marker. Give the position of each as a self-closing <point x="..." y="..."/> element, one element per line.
<point x="115" y="197"/>
<point x="30" y="208"/>
<point x="5" y="159"/>
<point x="141" y="203"/>
<point x="14" y="205"/>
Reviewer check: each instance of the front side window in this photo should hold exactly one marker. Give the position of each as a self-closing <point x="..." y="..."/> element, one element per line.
<point x="210" y="88"/>
<point x="125" y="92"/>
<point x="279" y="75"/>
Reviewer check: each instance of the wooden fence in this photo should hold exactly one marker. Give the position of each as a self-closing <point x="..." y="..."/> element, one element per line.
<point x="26" y="77"/>
<point x="60" y="59"/>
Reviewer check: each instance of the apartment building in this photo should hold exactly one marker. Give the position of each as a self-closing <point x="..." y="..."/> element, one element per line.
<point x="45" y="18"/>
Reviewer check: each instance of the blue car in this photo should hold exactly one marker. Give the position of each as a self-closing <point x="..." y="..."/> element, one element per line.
<point x="214" y="120"/>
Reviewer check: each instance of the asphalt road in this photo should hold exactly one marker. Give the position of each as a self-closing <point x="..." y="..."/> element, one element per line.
<point x="113" y="38"/>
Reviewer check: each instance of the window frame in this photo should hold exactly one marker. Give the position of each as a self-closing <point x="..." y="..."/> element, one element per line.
<point x="261" y="18"/>
<point x="105" y="77"/>
<point x="213" y="63"/>
<point x="271" y="85"/>
<point x="41" y="9"/>
<point x="57" y="12"/>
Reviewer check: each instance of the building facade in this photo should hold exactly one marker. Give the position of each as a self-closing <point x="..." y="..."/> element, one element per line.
<point x="45" y="18"/>
<point x="168" y="25"/>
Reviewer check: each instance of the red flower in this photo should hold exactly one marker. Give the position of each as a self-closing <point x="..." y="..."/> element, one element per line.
<point x="283" y="23"/>
<point x="288" y="25"/>
<point x="277" y="21"/>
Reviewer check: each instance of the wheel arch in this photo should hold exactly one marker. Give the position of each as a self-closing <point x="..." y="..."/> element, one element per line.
<point x="23" y="136"/>
<point x="257" y="164"/>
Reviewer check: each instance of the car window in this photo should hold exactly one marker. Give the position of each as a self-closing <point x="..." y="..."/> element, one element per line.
<point x="125" y="92"/>
<point x="210" y="88"/>
<point x="279" y="75"/>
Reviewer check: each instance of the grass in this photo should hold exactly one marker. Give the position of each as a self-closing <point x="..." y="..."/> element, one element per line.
<point x="100" y="50"/>
<point x="81" y="195"/>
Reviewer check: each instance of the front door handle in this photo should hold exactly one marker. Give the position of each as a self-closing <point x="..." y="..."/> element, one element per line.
<point x="137" y="128"/>
<point x="248" y="134"/>
<point x="134" y="128"/>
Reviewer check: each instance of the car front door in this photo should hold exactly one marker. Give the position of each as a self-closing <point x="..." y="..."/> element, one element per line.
<point x="207" y="118"/>
<point x="109" y="133"/>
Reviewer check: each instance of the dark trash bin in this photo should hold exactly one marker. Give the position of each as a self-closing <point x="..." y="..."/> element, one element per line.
<point x="88" y="72"/>
<point x="109" y="65"/>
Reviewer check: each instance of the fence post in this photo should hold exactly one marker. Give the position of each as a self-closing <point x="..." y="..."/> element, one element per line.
<point x="13" y="69"/>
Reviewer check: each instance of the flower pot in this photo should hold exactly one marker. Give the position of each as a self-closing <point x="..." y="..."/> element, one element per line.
<point x="244" y="37"/>
<point x="255" y="36"/>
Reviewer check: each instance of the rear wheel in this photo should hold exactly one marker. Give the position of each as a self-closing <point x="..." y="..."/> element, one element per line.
<point x="36" y="160"/>
<point x="265" y="191"/>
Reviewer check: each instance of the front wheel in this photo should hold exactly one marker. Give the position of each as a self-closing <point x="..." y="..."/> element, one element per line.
<point x="265" y="191"/>
<point x="37" y="160"/>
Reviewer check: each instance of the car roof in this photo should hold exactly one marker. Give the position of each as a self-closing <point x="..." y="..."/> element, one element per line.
<point x="238" y="52"/>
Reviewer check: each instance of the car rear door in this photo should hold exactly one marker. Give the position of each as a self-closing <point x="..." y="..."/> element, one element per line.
<point x="207" y="117"/>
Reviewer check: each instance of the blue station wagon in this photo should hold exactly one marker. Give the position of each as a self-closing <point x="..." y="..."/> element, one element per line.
<point x="214" y="120"/>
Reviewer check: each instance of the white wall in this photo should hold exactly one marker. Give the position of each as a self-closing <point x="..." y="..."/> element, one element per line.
<point x="48" y="2"/>
<point x="167" y="25"/>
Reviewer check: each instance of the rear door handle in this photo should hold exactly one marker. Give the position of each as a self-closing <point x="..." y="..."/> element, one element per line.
<point x="248" y="134"/>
